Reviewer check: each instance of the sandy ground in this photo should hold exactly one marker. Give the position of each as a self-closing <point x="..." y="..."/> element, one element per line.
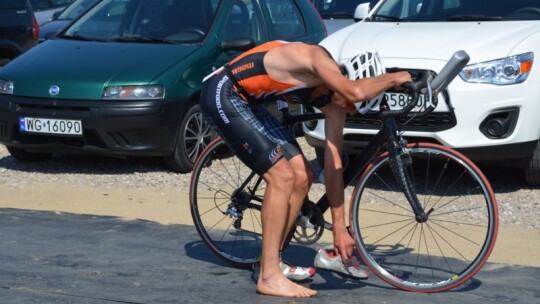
<point x="515" y="245"/>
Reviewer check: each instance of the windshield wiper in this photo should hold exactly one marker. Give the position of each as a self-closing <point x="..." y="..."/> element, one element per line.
<point x="143" y="39"/>
<point x="337" y="16"/>
<point x="474" y="18"/>
<point x="79" y="37"/>
<point x="387" y="17"/>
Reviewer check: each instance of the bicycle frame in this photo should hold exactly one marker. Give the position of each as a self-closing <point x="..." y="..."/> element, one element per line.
<point x="388" y="136"/>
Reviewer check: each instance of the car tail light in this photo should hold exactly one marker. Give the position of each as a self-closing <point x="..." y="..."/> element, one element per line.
<point x="35" y="28"/>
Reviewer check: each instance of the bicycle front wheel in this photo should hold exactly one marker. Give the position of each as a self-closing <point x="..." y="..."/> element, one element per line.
<point x="434" y="255"/>
<point x="225" y="200"/>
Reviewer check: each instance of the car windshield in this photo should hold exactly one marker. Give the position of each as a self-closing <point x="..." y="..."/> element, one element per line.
<point x="456" y="10"/>
<point x="150" y="21"/>
<point x="75" y="9"/>
<point x="339" y="8"/>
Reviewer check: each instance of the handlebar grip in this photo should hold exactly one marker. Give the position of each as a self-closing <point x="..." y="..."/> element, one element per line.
<point x="450" y="71"/>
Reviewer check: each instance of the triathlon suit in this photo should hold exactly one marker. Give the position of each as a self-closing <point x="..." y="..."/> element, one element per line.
<point x="232" y="100"/>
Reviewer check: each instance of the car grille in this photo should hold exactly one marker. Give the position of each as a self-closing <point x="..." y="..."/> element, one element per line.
<point x="429" y="123"/>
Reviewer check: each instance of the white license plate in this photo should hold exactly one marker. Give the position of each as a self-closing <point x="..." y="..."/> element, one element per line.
<point x="50" y="126"/>
<point x="397" y="101"/>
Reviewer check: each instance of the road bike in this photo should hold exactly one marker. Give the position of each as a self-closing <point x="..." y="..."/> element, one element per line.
<point x="424" y="216"/>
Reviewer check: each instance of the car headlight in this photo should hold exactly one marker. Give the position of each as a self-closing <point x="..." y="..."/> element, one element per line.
<point x="134" y="92"/>
<point x="509" y="70"/>
<point x="6" y="87"/>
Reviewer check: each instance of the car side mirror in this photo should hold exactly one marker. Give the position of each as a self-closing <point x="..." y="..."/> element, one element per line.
<point x="238" y="45"/>
<point x="362" y="11"/>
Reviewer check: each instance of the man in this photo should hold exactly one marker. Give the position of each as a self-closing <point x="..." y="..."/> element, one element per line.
<point x="297" y="73"/>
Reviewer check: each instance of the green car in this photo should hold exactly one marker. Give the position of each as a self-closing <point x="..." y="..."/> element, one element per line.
<point x="124" y="78"/>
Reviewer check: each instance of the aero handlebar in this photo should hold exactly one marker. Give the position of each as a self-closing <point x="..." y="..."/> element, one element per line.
<point x="452" y="68"/>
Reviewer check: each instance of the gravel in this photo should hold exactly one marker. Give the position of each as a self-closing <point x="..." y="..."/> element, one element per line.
<point x="518" y="203"/>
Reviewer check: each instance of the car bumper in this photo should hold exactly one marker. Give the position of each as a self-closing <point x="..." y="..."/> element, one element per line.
<point x="121" y="128"/>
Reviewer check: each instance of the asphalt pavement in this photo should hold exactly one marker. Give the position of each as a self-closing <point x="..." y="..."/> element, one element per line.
<point x="49" y="257"/>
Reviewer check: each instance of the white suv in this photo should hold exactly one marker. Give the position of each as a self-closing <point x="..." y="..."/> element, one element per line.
<point x="491" y="112"/>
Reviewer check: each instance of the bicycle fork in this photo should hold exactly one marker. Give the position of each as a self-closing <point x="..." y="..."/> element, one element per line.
<point x="400" y="160"/>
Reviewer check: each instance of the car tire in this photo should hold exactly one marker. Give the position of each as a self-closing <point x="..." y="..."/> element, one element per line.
<point x="532" y="169"/>
<point x="193" y="136"/>
<point x="23" y="155"/>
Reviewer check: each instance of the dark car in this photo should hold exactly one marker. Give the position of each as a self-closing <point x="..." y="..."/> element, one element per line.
<point x="18" y="29"/>
<point x="124" y="78"/>
<point x="62" y="18"/>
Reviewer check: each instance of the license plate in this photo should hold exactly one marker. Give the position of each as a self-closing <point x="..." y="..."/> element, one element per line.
<point x="50" y="126"/>
<point x="397" y="101"/>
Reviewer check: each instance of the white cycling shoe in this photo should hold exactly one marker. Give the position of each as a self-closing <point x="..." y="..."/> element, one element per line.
<point x="293" y="273"/>
<point x="349" y="268"/>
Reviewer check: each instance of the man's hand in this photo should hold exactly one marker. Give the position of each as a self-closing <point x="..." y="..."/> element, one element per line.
<point x="343" y="242"/>
<point x="401" y="78"/>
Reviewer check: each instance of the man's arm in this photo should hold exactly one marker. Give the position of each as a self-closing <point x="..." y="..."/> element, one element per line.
<point x="333" y="173"/>
<point x="352" y="91"/>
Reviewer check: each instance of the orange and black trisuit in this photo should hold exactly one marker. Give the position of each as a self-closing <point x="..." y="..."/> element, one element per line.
<point x="232" y="100"/>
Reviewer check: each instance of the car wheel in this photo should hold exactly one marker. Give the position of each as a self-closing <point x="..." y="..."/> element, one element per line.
<point x="194" y="135"/>
<point x="23" y="155"/>
<point x="532" y="170"/>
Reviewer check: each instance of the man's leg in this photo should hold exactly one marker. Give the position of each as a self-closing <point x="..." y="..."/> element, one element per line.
<point x="304" y="176"/>
<point x="280" y="181"/>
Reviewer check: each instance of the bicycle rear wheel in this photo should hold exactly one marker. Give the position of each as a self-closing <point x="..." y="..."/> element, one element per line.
<point x="436" y="255"/>
<point x="225" y="200"/>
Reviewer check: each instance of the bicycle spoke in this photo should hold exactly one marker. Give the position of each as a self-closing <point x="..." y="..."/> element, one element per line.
<point x="413" y="229"/>
<point x="390" y="202"/>
<point x="439" y="247"/>
<point x="389" y="223"/>
<point x="428" y="254"/>
<point x="386" y="212"/>
<point x="455" y="233"/>
<point x="458" y="223"/>
<point x="393" y="232"/>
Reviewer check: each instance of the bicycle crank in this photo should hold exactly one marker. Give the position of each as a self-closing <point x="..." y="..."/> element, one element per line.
<point x="309" y="226"/>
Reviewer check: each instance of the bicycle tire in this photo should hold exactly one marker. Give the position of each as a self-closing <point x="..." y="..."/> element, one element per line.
<point x="226" y="216"/>
<point x="446" y="250"/>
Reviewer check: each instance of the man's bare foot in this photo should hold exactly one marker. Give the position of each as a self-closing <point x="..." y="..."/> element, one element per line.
<point x="279" y="285"/>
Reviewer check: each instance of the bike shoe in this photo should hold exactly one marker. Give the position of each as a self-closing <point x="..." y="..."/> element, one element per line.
<point x="349" y="268"/>
<point x="293" y="273"/>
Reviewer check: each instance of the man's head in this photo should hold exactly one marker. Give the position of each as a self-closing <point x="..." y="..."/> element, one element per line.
<point x="362" y="66"/>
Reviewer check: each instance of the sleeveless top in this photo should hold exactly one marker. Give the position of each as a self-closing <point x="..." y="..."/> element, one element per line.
<point x="249" y="76"/>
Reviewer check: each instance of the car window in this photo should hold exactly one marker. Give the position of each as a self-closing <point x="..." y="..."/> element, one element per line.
<point x="173" y="20"/>
<point x="75" y="9"/>
<point x="39" y="5"/>
<point x="457" y="10"/>
<point x="12" y="4"/>
<point x="286" y="19"/>
<point x="339" y="8"/>
<point x="103" y="22"/>
<point x="244" y="21"/>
